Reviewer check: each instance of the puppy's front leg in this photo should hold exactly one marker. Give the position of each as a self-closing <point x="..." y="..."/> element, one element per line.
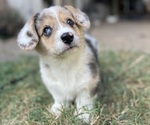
<point x="59" y="105"/>
<point x="56" y="109"/>
<point x="84" y="104"/>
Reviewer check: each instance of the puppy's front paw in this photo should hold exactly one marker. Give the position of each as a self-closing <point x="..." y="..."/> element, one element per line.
<point x="56" y="109"/>
<point x="83" y="115"/>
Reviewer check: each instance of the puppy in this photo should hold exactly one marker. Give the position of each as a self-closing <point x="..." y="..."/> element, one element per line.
<point x="68" y="58"/>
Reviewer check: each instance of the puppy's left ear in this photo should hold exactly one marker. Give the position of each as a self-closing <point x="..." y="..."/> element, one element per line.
<point x="81" y="18"/>
<point x="28" y="36"/>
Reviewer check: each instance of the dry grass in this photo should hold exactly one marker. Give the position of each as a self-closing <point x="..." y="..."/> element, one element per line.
<point x="124" y="98"/>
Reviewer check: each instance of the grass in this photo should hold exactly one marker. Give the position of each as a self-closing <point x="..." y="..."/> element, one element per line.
<point x="125" y="93"/>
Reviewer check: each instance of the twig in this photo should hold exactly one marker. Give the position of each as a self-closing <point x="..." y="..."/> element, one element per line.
<point x="16" y="80"/>
<point x="133" y="64"/>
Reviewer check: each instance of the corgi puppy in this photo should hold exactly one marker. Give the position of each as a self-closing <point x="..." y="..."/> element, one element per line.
<point x="68" y="57"/>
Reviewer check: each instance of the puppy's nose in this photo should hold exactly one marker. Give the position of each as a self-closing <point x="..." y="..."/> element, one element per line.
<point x="67" y="38"/>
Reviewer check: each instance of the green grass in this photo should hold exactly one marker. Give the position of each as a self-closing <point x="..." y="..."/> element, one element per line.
<point x="125" y="93"/>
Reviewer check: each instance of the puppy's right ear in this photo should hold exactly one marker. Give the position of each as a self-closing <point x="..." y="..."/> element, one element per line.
<point x="28" y="36"/>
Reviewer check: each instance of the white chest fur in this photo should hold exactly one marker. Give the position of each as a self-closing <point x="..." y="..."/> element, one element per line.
<point x="65" y="78"/>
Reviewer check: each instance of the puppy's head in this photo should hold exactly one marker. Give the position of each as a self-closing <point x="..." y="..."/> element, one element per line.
<point x="55" y="31"/>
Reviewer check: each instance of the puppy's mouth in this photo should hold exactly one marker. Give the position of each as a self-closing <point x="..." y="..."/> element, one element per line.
<point x="70" y="48"/>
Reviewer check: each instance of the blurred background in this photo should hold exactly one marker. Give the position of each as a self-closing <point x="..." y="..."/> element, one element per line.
<point x="117" y="24"/>
<point x="122" y="29"/>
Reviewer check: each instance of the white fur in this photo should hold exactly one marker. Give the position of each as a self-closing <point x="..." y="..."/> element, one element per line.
<point x="67" y="80"/>
<point x="25" y="42"/>
<point x="23" y="39"/>
<point x="54" y="12"/>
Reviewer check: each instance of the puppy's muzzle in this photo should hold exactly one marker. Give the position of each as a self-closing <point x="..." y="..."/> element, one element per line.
<point x="67" y="38"/>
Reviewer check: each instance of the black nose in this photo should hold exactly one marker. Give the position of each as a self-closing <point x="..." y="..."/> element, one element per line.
<point x="67" y="38"/>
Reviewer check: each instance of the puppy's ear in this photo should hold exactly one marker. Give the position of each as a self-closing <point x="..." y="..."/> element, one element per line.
<point x="28" y="36"/>
<point x="81" y="18"/>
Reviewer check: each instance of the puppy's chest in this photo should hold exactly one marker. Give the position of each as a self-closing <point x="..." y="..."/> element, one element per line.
<point x="66" y="80"/>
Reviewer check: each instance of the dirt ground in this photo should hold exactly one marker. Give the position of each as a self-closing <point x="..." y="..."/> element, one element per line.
<point x="132" y="36"/>
<point x="10" y="51"/>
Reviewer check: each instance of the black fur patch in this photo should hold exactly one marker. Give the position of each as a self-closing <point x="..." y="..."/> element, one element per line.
<point x="81" y="22"/>
<point x="30" y="44"/>
<point x="93" y="67"/>
<point x="46" y="65"/>
<point x="93" y="49"/>
<point x="96" y="90"/>
<point x="36" y="17"/>
<point x="34" y="40"/>
<point x="29" y="34"/>
<point x="23" y="46"/>
<point x="93" y="64"/>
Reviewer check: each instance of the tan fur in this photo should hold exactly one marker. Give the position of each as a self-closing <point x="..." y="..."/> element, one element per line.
<point x="47" y="41"/>
<point x="91" y="87"/>
<point x="79" y="16"/>
<point x="48" y="20"/>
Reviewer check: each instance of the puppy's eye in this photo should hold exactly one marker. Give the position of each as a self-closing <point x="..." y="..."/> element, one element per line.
<point x="70" y="22"/>
<point x="47" y="31"/>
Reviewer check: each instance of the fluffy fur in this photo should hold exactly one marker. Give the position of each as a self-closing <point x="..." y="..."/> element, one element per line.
<point x="69" y="70"/>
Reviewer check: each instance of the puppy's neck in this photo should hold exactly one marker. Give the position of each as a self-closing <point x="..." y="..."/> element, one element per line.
<point x="71" y="59"/>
